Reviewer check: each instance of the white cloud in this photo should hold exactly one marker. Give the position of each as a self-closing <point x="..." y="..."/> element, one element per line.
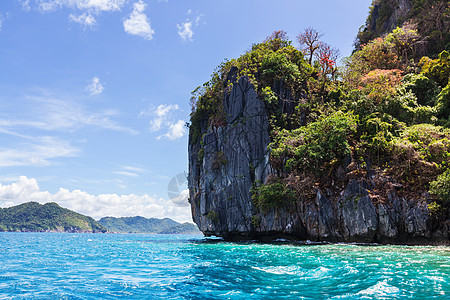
<point x="86" y="10"/>
<point x="134" y="169"/>
<point x="163" y="110"/>
<point x="85" y="19"/>
<point x="25" y="5"/>
<point x="49" y="112"/>
<point x="185" y="31"/>
<point x="130" y="171"/>
<point x="40" y="151"/>
<point x="176" y="130"/>
<point x="160" y="115"/>
<point x="98" y="5"/>
<point x="95" y="87"/>
<point x="91" y="5"/>
<point x="56" y="114"/>
<point x="3" y="18"/>
<point x="138" y="23"/>
<point x="50" y="5"/>
<point x="126" y="173"/>
<point x="182" y="199"/>
<point x="162" y="119"/>
<point x="97" y="206"/>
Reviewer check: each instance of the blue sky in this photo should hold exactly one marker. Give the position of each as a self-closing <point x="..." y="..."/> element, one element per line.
<point x="94" y="94"/>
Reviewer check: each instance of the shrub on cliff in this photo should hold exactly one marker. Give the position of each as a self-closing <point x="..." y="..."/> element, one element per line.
<point x="273" y="194"/>
<point x="315" y="148"/>
<point x="270" y="64"/>
<point x="441" y="187"/>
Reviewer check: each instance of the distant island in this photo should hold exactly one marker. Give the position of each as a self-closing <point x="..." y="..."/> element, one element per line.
<point x="50" y="217"/>
<point x="143" y="225"/>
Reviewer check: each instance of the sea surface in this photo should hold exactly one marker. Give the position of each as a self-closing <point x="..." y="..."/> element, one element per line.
<point x="135" y="266"/>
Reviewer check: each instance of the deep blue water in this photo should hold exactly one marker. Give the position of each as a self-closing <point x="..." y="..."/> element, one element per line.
<point x="110" y="266"/>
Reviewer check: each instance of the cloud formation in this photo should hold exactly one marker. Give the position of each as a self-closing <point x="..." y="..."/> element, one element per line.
<point x="91" y="5"/>
<point x="176" y="130"/>
<point x="85" y="19"/>
<point x="138" y="23"/>
<point x="162" y="120"/>
<point x="185" y="29"/>
<point x="97" y="206"/>
<point x="25" y="4"/>
<point x="40" y="151"/>
<point x="48" y="112"/>
<point x="95" y="87"/>
<point x="130" y="171"/>
<point x="162" y="113"/>
<point x="86" y="10"/>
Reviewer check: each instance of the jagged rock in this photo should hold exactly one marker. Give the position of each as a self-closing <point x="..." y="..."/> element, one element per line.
<point x="223" y="202"/>
<point x="221" y="189"/>
<point x="387" y="230"/>
<point x="358" y="214"/>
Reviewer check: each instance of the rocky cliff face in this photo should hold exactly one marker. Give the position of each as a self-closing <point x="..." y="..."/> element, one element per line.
<point x="230" y="159"/>
<point x="387" y="15"/>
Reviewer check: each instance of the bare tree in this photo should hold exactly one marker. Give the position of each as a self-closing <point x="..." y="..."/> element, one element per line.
<point x="278" y="39"/>
<point x="277" y="35"/>
<point x="309" y="41"/>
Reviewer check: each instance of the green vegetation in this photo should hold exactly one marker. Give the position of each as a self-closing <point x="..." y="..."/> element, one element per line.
<point x="268" y="65"/>
<point x="316" y="147"/>
<point x="431" y="17"/>
<point x="386" y="112"/>
<point x="144" y="225"/>
<point x="34" y="217"/>
<point x="273" y="194"/>
<point x="441" y="187"/>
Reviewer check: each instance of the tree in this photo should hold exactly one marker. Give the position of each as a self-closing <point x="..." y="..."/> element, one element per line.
<point x="277" y="35"/>
<point x="327" y="58"/>
<point x="404" y="41"/>
<point x="309" y="41"/>
<point x="278" y="39"/>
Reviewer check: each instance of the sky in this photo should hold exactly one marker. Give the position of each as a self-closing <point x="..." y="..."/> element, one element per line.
<point x="94" y="94"/>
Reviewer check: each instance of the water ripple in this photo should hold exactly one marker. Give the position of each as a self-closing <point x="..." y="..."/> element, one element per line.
<point x="103" y="266"/>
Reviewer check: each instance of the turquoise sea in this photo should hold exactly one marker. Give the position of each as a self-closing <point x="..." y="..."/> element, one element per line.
<point x="110" y="266"/>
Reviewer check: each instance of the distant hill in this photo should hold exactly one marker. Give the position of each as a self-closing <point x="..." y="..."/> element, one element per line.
<point x="144" y="225"/>
<point x="50" y="217"/>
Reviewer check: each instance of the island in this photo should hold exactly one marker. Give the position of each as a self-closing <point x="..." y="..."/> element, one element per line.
<point x="49" y="217"/>
<point x="147" y="225"/>
<point x="285" y="144"/>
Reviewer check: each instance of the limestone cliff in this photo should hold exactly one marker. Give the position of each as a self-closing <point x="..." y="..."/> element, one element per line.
<point x="230" y="159"/>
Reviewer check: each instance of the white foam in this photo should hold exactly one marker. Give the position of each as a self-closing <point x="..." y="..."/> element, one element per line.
<point x="381" y="288"/>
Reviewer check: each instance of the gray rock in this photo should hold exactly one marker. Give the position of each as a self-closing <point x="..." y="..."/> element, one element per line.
<point x="358" y="214"/>
<point x="221" y="191"/>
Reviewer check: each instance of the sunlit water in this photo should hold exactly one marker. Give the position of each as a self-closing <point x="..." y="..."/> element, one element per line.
<point x="109" y="266"/>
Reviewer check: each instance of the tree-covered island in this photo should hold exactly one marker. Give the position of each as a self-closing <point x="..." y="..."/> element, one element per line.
<point x="283" y="142"/>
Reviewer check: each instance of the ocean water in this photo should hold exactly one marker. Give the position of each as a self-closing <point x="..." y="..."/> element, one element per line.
<point x="111" y="266"/>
